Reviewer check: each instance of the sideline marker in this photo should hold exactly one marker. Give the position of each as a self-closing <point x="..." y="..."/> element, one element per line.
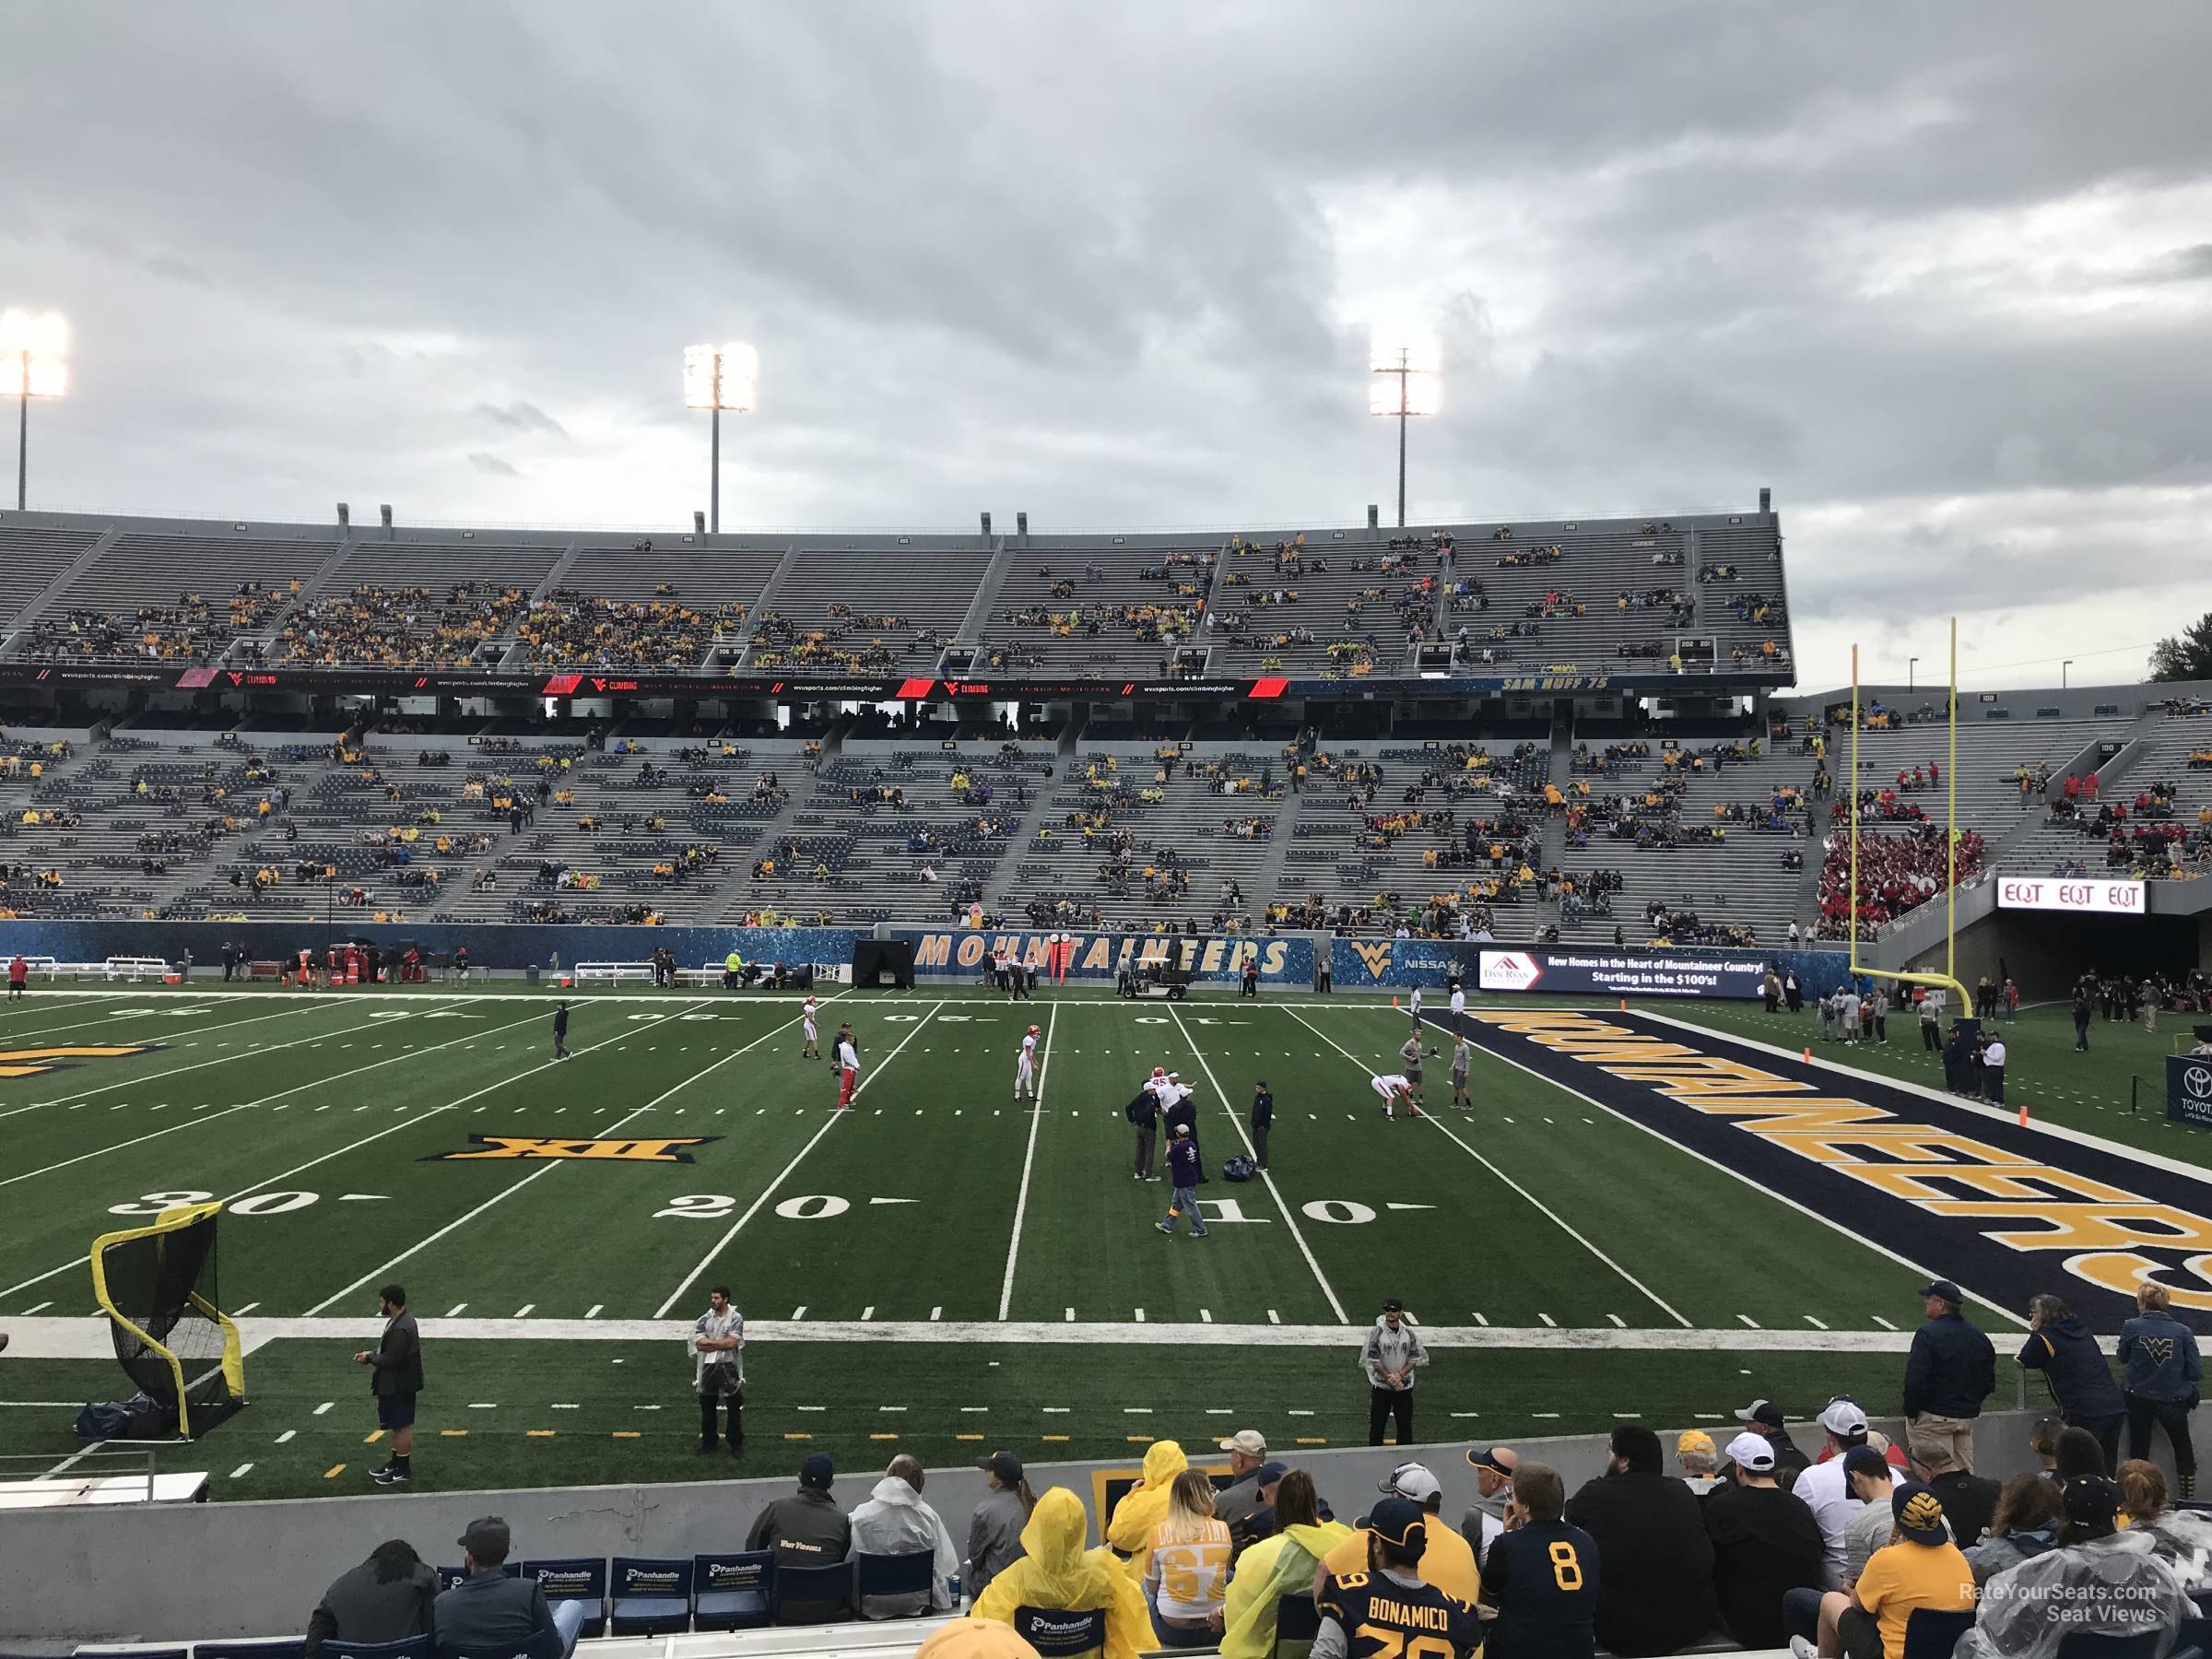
<point x="1809" y="1053"/>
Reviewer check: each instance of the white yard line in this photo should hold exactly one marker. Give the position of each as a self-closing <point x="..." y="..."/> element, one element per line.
<point x="550" y="1165"/>
<point x="1994" y="1305"/>
<point x="39" y="1034"/>
<point x="1289" y="1214"/>
<point x="188" y="1122"/>
<point x="1553" y="1215"/>
<point x="77" y="1337"/>
<point x="300" y="1089"/>
<point x="246" y="1052"/>
<point x="769" y="1191"/>
<point x="1996" y="1114"/>
<point x="1021" y="1199"/>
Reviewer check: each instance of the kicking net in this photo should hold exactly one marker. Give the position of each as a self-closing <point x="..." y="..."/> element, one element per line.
<point x="158" y="1287"/>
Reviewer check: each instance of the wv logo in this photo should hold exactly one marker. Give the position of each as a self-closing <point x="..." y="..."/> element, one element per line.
<point x="663" y="1149"/>
<point x="30" y="1062"/>
<point x="1376" y="957"/>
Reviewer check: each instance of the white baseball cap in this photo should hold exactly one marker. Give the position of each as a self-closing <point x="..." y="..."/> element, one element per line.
<point x="1250" y="1441"/>
<point x="1753" y="1452"/>
<point x="1844" y="1416"/>
<point x="1411" y="1480"/>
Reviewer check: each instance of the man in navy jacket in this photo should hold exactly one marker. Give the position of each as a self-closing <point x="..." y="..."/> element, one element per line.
<point x="1951" y="1370"/>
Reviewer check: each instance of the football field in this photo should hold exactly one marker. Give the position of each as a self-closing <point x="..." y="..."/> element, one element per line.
<point x="938" y="1267"/>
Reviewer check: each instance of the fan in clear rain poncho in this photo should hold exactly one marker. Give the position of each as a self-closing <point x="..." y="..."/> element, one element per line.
<point x="2098" y="1579"/>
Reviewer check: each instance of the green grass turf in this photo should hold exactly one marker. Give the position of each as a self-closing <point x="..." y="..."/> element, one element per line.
<point x="2125" y="1069"/>
<point x="527" y="1414"/>
<point x="325" y="1121"/>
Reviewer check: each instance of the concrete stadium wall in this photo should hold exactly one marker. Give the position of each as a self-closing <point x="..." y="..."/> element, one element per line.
<point x="236" y="1569"/>
<point x="2046" y="951"/>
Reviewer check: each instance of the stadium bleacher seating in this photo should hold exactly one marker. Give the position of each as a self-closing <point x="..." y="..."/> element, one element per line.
<point x="1696" y="839"/>
<point x="182" y="812"/>
<point x="183" y="597"/>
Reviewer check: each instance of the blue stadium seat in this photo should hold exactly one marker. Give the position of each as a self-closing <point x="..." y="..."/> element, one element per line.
<point x="411" y="1647"/>
<point x="574" y="1579"/>
<point x="1057" y="1634"/>
<point x="732" y="1591"/>
<point x="908" y="1573"/>
<point x="274" y="1647"/>
<point x="2094" y="1644"/>
<point x="1930" y="1634"/>
<point x="450" y="1576"/>
<point x="546" y="1644"/>
<point x="812" y="1594"/>
<point x="652" y="1595"/>
<point x="1297" y="1622"/>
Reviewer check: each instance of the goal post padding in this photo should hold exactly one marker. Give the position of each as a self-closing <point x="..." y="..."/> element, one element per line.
<point x="157" y="1284"/>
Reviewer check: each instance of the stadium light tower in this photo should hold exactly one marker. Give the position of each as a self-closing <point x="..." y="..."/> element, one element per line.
<point x="720" y="377"/>
<point x="34" y="362"/>
<point x="1412" y="359"/>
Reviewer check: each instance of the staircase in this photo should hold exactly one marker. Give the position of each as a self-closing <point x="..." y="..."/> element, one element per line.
<point x="998" y="894"/>
<point x="42" y="601"/>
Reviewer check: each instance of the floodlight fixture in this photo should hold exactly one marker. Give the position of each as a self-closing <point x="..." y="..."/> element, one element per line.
<point x="716" y="378"/>
<point x="34" y="362"/>
<point x="1413" y="358"/>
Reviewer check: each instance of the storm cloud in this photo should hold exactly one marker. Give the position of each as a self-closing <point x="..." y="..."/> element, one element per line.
<point x="1940" y="279"/>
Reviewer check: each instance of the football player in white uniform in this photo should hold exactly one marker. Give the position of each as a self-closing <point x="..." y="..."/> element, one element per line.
<point x="1395" y="1086"/>
<point x="1025" y="1067"/>
<point x="812" y="1050"/>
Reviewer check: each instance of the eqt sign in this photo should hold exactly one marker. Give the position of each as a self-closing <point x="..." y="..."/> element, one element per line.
<point x="2054" y="893"/>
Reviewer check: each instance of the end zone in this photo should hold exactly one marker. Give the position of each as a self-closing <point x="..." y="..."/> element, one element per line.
<point x="1954" y="1188"/>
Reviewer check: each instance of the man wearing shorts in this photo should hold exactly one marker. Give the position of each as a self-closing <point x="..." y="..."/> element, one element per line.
<point x="1462" y="1057"/>
<point x="1411" y="1054"/>
<point x="395" y="1379"/>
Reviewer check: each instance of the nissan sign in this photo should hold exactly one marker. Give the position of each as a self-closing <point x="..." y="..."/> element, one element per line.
<point x="2071" y="893"/>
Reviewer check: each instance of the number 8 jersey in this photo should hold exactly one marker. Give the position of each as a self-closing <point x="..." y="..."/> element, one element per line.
<point x="1542" y="1578"/>
<point x="1385" y="1617"/>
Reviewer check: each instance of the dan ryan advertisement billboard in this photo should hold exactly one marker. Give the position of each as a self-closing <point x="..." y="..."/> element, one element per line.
<point x="1568" y="973"/>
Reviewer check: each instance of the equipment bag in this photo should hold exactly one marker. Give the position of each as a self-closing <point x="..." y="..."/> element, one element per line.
<point x="1239" y="1167"/>
<point x="104" y="1420"/>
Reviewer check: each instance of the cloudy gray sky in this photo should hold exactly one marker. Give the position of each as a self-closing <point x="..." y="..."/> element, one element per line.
<point x="1943" y="279"/>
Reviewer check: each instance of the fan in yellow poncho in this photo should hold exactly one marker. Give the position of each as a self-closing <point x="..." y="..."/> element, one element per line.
<point x="1056" y="1572"/>
<point x="1145" y="1505"/>
<point x="1272" y="1568"/>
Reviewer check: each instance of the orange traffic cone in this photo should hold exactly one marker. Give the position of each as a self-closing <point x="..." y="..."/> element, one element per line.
<point x="1394" y="1002"/>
